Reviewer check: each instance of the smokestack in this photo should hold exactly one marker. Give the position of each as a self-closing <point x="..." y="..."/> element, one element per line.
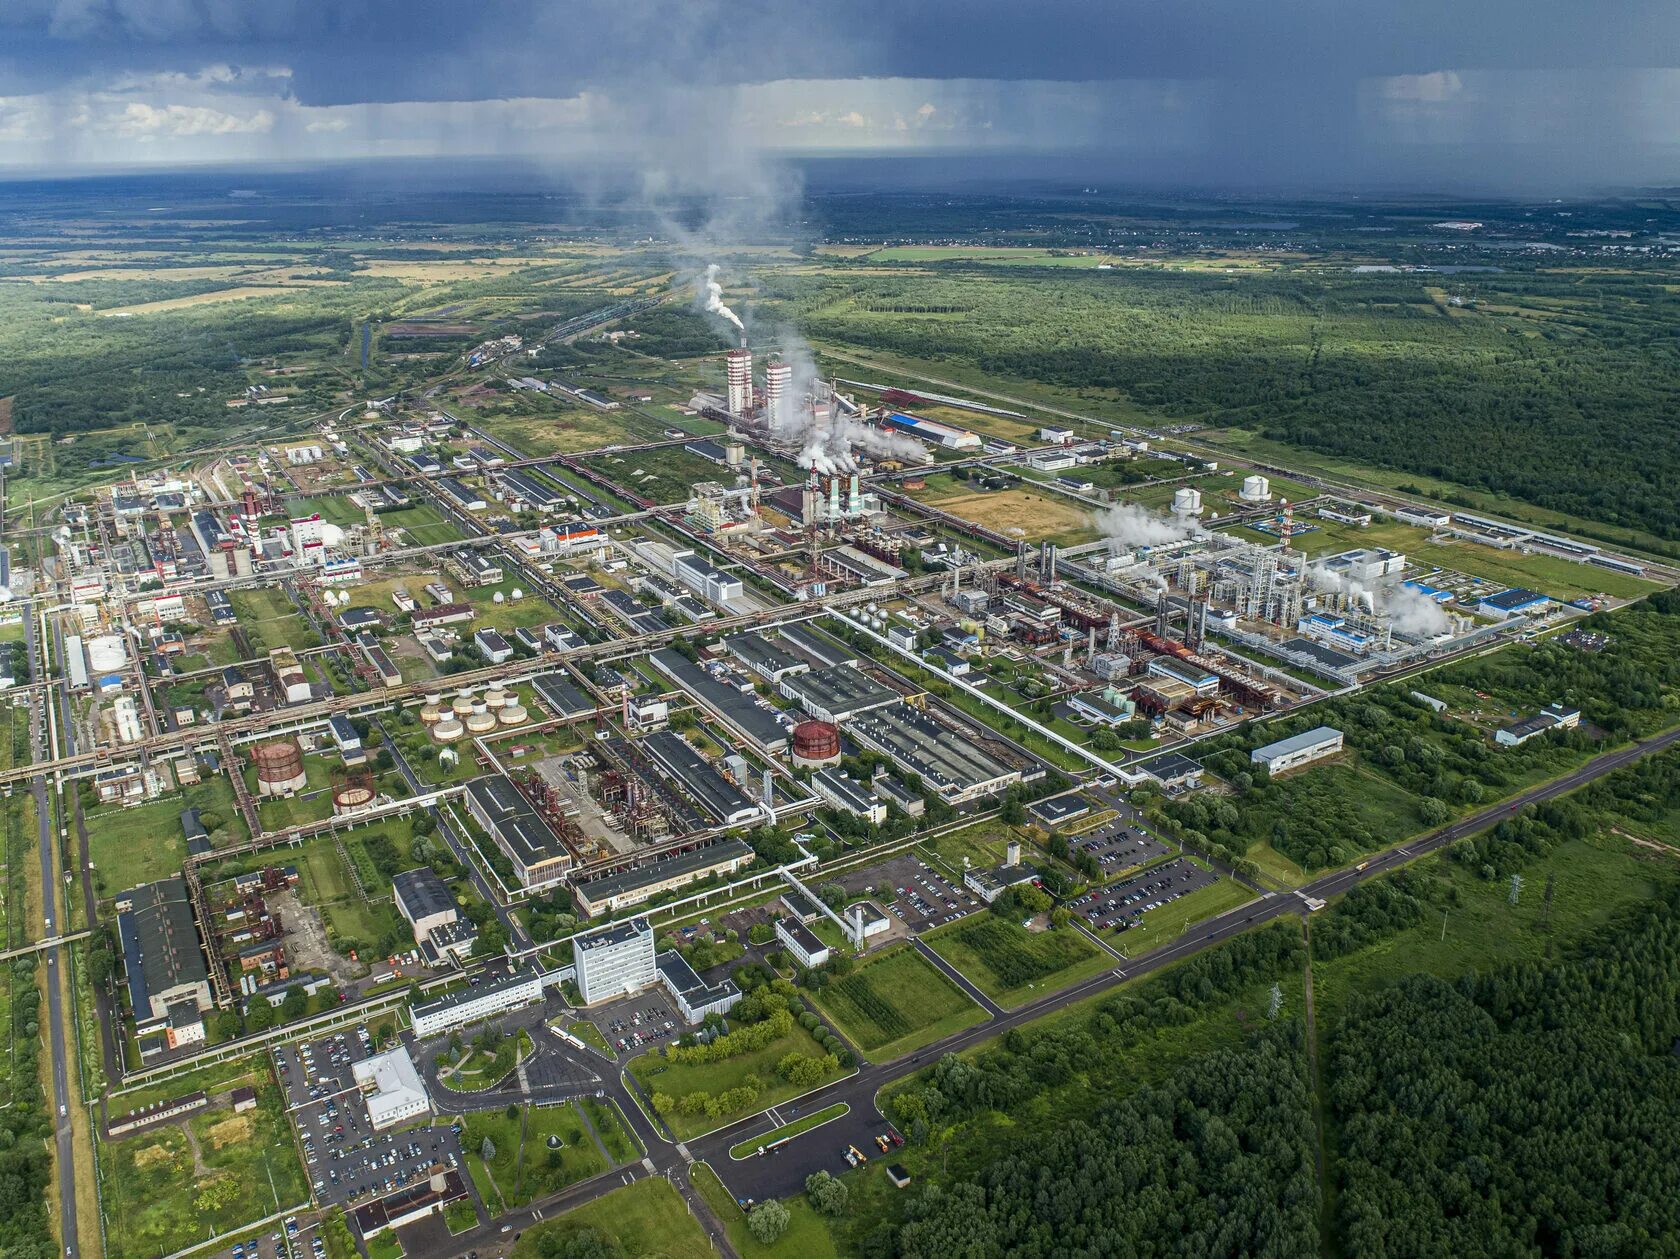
<point x="833" y="499"/>
<point x="777" y="374"/>
<point x="855" y="508"/>
<point x="738" y="367"/>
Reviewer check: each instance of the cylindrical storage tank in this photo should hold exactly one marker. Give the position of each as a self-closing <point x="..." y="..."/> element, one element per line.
<point x="816" y="743"/>
<point x="1187" y="501"/>
<point x="106" y="654"/>
<point x="430" y="715"/>
<point x="434" y="698"/>
<point x="352" y="796"/>
<point x="1256" y="489"/>
<point x="495" y="697"/>
<point x="480" y="722"/>
<point x="448" y="730"/>
<point x="463" y="704"/>
<point x="511" y="715"/>
<point x="279" y="767"/>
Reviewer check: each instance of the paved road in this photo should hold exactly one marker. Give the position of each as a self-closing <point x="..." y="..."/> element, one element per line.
<point x="61" y="1098"/>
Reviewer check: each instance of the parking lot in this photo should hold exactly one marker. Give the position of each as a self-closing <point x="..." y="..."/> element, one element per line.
<point x="347" y="1160"/>
<point x="293" y="1238"/>
<point x="1121" y="905"/>
<point x="921" y="896"/>
<point x="1119" y="847"/>
<point x="638" y="1022"/>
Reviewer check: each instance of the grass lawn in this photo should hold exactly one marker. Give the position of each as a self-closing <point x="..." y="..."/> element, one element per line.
<point x="421" y="524"/>
<point x="311" y="804"/>
<point x="765" y="1140"/>
<point x="145" y="842"/>
<point x="982" y="844"/>
<point x="807" y="1237"/>
<point x="510" y="614"/>
<point x="609" y="1123"/>
<point x="459" y="1216"/>
<point x="475" y="1070"/>
<point x="1012" y="965"/>
<point x="155" y="1199"/>
<point x="647" y="1218"/>
<point x="384" y="1246"/>
<point x="1549" y="574"/>
<point x="895" y="1003"/>
<point x="1159" y="926"/>
<point x="1274" y="866"/>
<point x="270" y="620"/>
<point x="524" y="1166"/>
<point x="678" y="1080"/>
<point x="1020" y="513"/>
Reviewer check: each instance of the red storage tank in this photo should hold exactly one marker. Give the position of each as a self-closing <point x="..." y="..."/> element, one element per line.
<point x="816" y="743"/>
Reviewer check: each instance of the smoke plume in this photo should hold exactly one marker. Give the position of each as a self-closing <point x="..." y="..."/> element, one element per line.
<point x="1407" y="611"/>
<point x="711" y="297"/>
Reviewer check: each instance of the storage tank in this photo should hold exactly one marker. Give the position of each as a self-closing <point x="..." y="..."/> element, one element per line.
<point x="434" y="698"/>
<point x="481" y="721"/>
<point x="1256" y="489"/>
<point x="447" y="730"/>
<point x="351" y="797"/>
<point x="816" y="743"/>
<point x="463" y="704"/>
<point x="495" y="697"/>
<point x="431" y="714"/>
<point x="511" y="715"/>
<point x="279" y="767"/>
<point x="1187" y="501"/>
<point x="106" y="654"/>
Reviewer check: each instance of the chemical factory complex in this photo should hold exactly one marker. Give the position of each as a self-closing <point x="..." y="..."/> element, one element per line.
<point x="397" y="723"/>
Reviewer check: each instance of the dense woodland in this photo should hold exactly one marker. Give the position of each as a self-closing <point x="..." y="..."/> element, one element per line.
<point x="1534" y="1110"/>
<point x="1558" y="388"/>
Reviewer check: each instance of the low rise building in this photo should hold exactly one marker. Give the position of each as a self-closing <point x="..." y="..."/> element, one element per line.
<point x="804" y="944"/>
<point x="641" y="883"/>
<point x="470" y="1005"/>
<point x="391" y="1088"/>
<point x="424" y="900"/>
<point x="1298" y="749"/>
<point x="538" y="855"/>
<point x="1551" y="717"/>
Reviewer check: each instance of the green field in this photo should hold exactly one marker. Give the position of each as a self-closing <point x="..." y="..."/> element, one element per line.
<point x="523" y="1166"/>
<point x="473" y="1070"/>
<point x="787" y="1131"/>
<point x="680" y="1079"/>
<point x="646" y="1218"/>
<point x="896" y="1002"/>
<point x="807" y="1237"/>
<point x="1012" y="965"/>
<point x="144" y="842"/>
<point x="270" y="620"/>
<point x="422" y="524"/>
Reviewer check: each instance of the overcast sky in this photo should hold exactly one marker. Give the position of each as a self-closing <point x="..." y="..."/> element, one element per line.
<point x="1525" y="94"/>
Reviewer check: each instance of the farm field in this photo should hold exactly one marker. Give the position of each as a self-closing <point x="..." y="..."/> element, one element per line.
<point x="1012" y="965"/>
<point x="1020" y="513"/>
<point x="895" y="1003"/>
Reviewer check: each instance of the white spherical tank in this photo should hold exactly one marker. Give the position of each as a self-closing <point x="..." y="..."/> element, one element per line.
<point x="517" y="594"/>
<point x="498" y="597"/>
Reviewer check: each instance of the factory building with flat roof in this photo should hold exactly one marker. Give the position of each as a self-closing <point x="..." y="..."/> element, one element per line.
<point x="612" y="892"/>
<point x="756" y="722"/>
<point x="763" y="657"/>
<point x="539" y="858"/>
<point x="950" y="765"/>
<point x="726" y="803"/>
<point x="694" y="997"/>
<point x="837" y="694"/>
<point x="819" y="647"/>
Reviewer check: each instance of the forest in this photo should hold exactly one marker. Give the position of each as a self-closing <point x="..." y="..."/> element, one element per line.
<point x="1553" y="386"/>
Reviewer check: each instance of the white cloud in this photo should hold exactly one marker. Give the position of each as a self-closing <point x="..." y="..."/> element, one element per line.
<point x="320" y="126"/>
<point x="141" y="121"/>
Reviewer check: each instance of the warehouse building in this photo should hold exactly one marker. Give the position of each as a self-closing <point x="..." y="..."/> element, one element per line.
<point x="1365" y="564"/>
<point x="837" y="694"/>
<point x="1298" y="749"/>
<point x="705" y="578"/>
<point x="763" y="657"/>
<point x="726" y="803"/>
<point x="819" y="647"/>
<point x="1513" y="602"/>
<point x="168" y="978"/>
<point x="392" y="1088"/>
<point x="562" y="697"/>
<point x="470" y="1005"/>
<point x="512" y="821"/>
<point x="424" y="900"/>
<point x="613" y="892"/>
<point x="614" y="960"/>
<point x="949" y="764"/>
<point x="1551" y="717"/>
<point x="1195" y="677"/>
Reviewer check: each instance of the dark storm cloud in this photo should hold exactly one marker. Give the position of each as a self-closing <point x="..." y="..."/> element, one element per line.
<point x="350" y="51"/>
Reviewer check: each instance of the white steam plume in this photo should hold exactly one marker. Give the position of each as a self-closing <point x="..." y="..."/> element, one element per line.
<point x="1407" y="611"/>
<point x="1128" y="526"/>
<point x="711" y="296"/>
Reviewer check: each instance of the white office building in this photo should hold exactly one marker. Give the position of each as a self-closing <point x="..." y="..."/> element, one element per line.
<point x="1299" y="749"/>
<point x="469" y="1005"/>
<point x="614" y="960"/>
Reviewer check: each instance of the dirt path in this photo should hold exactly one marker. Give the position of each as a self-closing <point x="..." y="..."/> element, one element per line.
<point x="200" y="1168"/>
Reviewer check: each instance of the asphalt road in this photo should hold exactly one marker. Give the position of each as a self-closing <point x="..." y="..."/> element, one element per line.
<point x="61" y="1099"/>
